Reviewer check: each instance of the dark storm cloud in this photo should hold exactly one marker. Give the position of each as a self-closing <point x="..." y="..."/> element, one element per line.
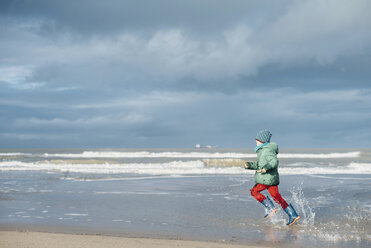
<point x="92" y="17"/>
<point x="256" y="44"/>
<point x="176" y="73"/>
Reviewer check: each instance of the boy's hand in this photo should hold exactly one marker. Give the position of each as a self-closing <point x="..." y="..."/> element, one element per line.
<point x="246" y="165"/>
<point x="262" y="171"/>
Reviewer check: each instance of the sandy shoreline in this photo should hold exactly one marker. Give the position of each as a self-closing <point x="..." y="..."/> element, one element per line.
<point x="16" y="239"/>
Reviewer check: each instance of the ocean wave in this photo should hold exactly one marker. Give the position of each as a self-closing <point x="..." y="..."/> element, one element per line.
<point x="171" y="168"/>
<point x="321" y="155"/>
<point x="352" y="168"/>
<point x="195" y="167"/>
<point x="146" y="154"/>
<point x="14" y="154"/>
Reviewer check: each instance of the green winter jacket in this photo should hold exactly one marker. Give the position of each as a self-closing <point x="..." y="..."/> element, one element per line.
<point x="267" y="159"/>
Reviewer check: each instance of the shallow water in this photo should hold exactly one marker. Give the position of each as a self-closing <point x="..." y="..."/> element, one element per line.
<point x="181" y="197"/>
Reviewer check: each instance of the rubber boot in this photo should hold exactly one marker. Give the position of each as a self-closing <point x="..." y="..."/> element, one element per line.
<point x="268" y="204"/>
<point x="293" y="216"/>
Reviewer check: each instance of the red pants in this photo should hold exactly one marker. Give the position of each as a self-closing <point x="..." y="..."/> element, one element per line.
<point x="273" y="190"/>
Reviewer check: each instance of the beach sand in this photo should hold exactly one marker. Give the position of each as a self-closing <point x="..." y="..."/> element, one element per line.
<point x="15" y="239"/>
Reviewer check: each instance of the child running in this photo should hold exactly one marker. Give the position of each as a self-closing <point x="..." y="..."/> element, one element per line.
<point x="267" y="178"/>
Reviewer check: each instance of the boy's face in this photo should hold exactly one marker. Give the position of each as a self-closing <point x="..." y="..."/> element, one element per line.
<point x="258" y="143"/>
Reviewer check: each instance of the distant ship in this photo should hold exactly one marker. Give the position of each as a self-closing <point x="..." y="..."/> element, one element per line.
<point x="207" y="146"/>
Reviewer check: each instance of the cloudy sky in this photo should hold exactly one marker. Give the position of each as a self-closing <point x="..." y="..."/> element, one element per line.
<point x="171" y="73"/>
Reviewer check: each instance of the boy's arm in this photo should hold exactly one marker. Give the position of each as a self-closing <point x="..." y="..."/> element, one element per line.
<point x="271" y="162"/>
<point x="251" y="165"/>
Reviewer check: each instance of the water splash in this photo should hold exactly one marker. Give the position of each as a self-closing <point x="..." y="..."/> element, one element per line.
<point x="279" y="218"/>
<point x="302" y="206"/>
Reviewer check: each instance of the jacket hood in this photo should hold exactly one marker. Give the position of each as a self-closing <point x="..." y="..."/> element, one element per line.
<point x="271" y="146"/>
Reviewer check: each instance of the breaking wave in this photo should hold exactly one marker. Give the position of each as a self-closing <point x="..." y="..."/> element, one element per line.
<point x="175" y="167"/>
<point x="321" y="155"/>
<point x="5" y="154"/>
<point x="194" y="167"/>
<point x="145" y="154"/>
<point x="200" y="155"/>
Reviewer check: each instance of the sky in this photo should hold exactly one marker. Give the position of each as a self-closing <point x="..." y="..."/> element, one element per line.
<point x="170" y="73"/>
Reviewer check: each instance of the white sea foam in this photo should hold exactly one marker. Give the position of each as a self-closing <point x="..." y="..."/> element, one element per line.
<point x="146" y="154"/>
<point x="75" y="214"/>
<point x="131" y="193"/>
<point x="341" y="178"/>
<point x="352" y="168"/>
<point x="304" y="207"/>
<point x="14" y="154"/>
<point x="194" y="167"/>
<point x="320" y="155"/>
<point x="172" y="168"/>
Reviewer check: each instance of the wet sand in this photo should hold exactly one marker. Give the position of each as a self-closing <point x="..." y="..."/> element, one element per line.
<point x="14" y="239"/>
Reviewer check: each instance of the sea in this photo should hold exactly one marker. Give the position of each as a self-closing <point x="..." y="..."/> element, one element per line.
<point x="193" y="194"/>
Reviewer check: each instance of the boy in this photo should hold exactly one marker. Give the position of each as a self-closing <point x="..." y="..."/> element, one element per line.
<point x="266" y="176"/>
